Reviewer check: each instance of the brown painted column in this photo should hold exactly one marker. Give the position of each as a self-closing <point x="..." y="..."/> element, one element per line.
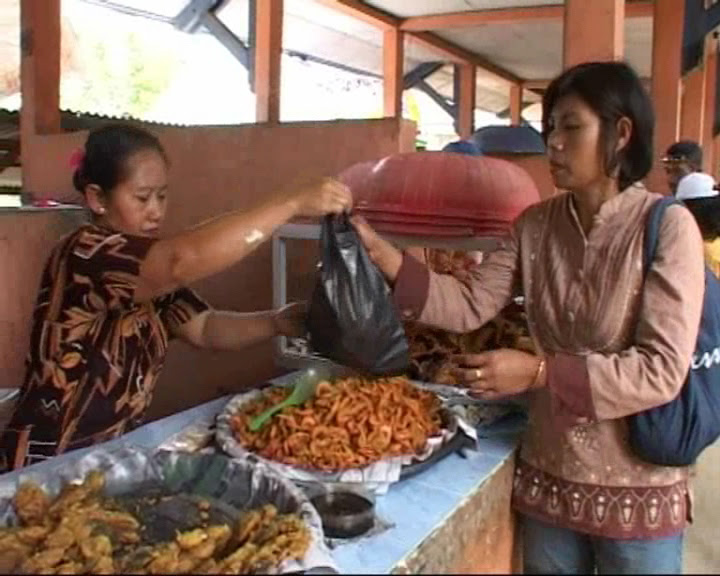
<point x="593" y="31"/>
<point x="268" y="57"/>
<point x="692" y="111"/>
<point x="711" y="56"/>
<point x="466" y="100"/>
<point x="39" y="68"/>
<point x="393" y="70"/>
<point x="668" y="25"/>
<point x="516" y="92"/>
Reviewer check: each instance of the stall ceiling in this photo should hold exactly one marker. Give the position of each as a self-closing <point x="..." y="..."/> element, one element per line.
<point x="411" y="8"/>
<point x="529" y="49"/>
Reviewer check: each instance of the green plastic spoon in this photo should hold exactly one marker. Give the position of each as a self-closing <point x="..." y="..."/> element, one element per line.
<point x="303" y="391"/>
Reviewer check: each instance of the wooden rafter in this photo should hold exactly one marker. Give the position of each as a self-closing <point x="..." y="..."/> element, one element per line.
<point x="365" y="12"/>
<point x="449" y="50"/>
<point x="459" y="55"/>
<point x="474" y="18"/>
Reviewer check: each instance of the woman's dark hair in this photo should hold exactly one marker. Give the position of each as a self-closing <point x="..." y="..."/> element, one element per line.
<point x="707" y="215"/>
<point x="612" y="90"/>
<point x="107" y="150"/>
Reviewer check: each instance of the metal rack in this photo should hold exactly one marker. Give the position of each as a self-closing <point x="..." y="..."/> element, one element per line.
<point x="295" y="355"/>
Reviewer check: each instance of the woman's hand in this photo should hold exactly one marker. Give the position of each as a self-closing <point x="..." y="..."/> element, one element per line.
<point x="290" y="320"/>
<point x="320" y="196"/>
<point x="384" y="255"/>
<point x="499" y="373"/>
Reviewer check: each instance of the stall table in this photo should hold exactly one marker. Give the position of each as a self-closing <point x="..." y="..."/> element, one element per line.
<point x="454" y="517"/>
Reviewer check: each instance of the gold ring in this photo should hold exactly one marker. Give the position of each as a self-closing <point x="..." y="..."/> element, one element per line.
<point x="478" y="374"/>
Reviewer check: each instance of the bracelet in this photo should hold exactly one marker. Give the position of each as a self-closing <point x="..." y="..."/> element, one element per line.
<point x="538" y="374"/>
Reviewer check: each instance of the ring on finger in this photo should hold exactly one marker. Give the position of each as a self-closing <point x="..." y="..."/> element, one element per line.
<point x="478" y="374"/>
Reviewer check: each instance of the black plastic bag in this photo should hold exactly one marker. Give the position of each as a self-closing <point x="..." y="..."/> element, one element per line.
<point x="352" y="318"/>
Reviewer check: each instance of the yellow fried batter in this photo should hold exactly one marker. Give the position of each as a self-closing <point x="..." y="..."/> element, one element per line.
<point x="81" y="532"/>
<point x="187" y="540"/>
<point x="42" y="560"/>
<point x="104" y="565"/>
<point x="69" y="568"/>
<point x="95" y="548"/>
<point x="31" y="503"/>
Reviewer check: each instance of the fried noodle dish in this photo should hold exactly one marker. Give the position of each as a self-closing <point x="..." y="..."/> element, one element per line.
<point x="80" y="532"/>
<point x="349" y="423"/>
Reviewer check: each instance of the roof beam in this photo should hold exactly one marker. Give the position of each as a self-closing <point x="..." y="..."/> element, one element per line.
<point x="453" y="52"/>
<point x="362" y="11"/>
<point x="474" y="18"/>
<point x="458" y="55"/>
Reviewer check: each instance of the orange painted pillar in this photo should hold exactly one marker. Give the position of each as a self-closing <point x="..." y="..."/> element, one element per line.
<point x="692" y="111"/>
<point x="393" y="70"/>
<point x="593" y="31"/>
<point x="711" y="56"/>
<point x="268" y="58"/>
<point x="39" y="68"/>
<point x="668" y="25"/>
<point x="516" y="93"/>
<point x="466" y="101"/>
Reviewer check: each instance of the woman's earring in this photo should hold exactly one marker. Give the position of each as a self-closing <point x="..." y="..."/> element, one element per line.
<point x="102" y="210"/>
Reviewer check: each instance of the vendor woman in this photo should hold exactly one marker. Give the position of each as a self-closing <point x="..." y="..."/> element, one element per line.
<point x="113" y="294"/>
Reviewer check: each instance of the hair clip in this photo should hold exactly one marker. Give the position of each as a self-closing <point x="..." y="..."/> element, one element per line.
<point x="77" y="158"/>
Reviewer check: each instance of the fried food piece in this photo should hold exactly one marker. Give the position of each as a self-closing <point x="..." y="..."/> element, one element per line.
<point x="119" y="521"/>
<point x="192" y="538"/>
<point x="69" y="568"/>
<point x="165" y="559"/>
<point x="220" y="534"/>
<point x="253" y="521"/>
<point x="31" y="503"/>
<point x="62" y="537"/>
<point x="104" y="565"/>
<point x="32" y="535"/>
<point x="93" y="549"/>
<point x="238" y="561"/>
<point x="41" y="561"/>
<point x="208" y="567"/>
<point x="73" y="494"/>
<point x="12" y="555"/>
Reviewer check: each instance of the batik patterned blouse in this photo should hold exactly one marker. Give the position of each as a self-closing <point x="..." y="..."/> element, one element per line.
<point x="95" y="354"/>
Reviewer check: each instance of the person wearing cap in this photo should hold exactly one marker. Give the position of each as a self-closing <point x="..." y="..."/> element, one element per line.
<point x="463" y="147"/>
<point x="698" y="192"/>
<point x="682" y="159"/>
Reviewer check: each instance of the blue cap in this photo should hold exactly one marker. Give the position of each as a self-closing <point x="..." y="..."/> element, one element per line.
<point x="462" y="147"/>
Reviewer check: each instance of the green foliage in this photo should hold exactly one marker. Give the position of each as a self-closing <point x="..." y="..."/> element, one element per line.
<point x="119" y="77"/>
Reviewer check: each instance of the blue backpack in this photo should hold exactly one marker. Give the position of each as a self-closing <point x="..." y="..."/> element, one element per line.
<point x="676" y="433"/>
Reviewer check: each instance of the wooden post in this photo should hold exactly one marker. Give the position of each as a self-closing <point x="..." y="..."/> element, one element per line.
<point x="40" y="68"/>
<point x="393" y="69"/>
<point x="593" y="31"/>
<point x="268" y="57"/>
<point x="692" y="110"/>
<point x="711" y="56"/>
<point x="668" y="25"/>
<point x="516" y="94"/>
<point x="466" y="100"/>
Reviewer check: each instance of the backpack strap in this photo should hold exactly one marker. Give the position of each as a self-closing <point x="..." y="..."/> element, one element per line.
<point x="652" y="230"/>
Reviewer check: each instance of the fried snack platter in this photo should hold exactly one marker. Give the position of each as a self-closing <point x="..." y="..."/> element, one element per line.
<point x="353" y="430"/>
<point x="177" y="514"/>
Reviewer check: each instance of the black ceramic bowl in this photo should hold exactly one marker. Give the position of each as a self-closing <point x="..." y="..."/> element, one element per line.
<point x="344" y="514"/>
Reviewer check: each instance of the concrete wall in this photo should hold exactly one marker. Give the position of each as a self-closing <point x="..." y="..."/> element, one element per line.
<point x="213" y="170"/>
